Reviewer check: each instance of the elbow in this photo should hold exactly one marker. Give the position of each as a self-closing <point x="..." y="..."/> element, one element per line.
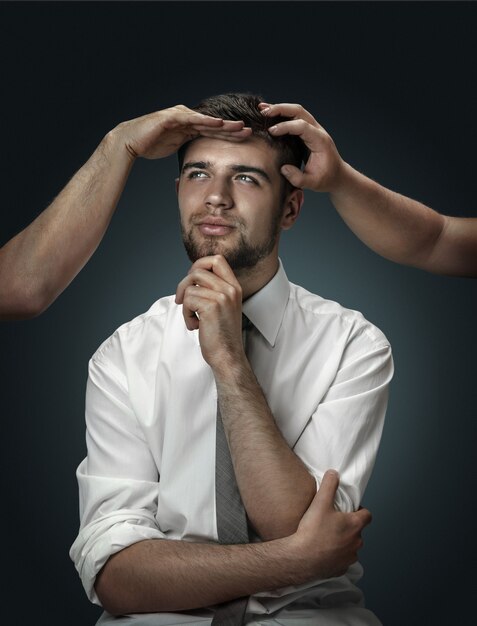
<point x="282" y="521"/>
<point x="128" y="584"/>
<point x="109" y="591"/>
<point x="279" y="526"/>
<point x="22" y="301"/>
<point x="31" y="308"/>
<point x="279" y="531"/>
<point x="34" y="298"/>
<point x="120" y="591"/>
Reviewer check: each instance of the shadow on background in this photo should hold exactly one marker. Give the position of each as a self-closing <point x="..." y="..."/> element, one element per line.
<point x="393" y="84"/>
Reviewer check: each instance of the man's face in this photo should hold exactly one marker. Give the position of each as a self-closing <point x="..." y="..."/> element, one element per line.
<point x="230" y="200"/>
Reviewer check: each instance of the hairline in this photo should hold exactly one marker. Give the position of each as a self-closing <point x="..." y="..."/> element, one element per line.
<point x="188" y="144"/>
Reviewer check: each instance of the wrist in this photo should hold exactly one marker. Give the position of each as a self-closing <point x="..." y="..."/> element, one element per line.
<point x="230" y="368"/>
<point x="341" y="179"/>
<point x="118" y="141"/>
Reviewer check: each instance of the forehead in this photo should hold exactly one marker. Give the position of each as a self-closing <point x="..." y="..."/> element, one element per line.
<point x="252" y="151"/>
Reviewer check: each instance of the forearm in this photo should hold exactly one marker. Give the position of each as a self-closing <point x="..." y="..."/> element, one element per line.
<point x="163" y="575"/>
<point x="37" y="264"/>
<point x="396" y="227"/>
<point x="275" y="485"/>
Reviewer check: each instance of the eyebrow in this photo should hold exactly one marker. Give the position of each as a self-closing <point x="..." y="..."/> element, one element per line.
<point x="200" y="165"/>
<point x="239" y="168"/>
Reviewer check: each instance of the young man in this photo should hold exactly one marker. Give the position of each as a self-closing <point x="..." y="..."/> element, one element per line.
<point x="176" y="391"/>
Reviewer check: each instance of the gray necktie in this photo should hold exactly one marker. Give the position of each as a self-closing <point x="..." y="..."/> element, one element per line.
<point x="231" y="517"/>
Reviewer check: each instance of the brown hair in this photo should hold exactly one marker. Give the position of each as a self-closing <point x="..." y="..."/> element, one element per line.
<point x="244" y="106"/>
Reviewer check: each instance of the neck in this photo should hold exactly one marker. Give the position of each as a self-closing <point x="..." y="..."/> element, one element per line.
<point x="252" y="279"/>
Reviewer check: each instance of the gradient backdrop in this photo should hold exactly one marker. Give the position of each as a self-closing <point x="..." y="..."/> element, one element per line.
<point x="394" y="84"/>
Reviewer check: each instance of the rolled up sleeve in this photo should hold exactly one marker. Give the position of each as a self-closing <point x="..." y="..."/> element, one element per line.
<point x="118" y="480"/>
<point x="345" y="430"/>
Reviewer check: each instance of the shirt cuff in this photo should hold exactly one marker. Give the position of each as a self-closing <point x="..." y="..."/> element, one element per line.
<point x="94" y="545"/>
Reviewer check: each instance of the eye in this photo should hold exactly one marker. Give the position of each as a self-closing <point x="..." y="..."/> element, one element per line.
<point x="196" y="174"/>
<point x="247" y="178"/>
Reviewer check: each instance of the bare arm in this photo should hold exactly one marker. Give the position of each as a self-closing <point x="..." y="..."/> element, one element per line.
<point x="39" y="263"/>
<point x="275" y="486"/>
<point x="162" y="575"/>
<point x="396" y="227"/>
<point x="404" y="230"/>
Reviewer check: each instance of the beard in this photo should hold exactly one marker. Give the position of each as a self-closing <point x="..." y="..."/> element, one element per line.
<point x="241" y="255"/>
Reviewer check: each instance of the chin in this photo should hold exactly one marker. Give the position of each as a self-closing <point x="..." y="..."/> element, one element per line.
<point x="239" y="256"/>
<point x="211" y="246"/>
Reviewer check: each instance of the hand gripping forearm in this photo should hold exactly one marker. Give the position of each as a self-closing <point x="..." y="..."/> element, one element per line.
<point x="162" y="575"/>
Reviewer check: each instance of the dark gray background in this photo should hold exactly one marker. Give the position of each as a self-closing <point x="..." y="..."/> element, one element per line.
<point x="394" y="85"/>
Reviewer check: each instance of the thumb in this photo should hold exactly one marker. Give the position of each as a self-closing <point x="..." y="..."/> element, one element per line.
<point x="293" y="174"/>
<point x="327" y="491"/>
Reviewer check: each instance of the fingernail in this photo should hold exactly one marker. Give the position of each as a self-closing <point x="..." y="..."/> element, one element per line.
<point x="265" y="110"/>
<point x="286" y="170"/>
<point x="272" y="129"/>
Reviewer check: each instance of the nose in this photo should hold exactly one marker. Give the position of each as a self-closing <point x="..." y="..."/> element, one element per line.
<point x="218" y="196"/>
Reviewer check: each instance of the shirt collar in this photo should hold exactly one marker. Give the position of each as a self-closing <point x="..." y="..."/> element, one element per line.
<point x="265" y="309"/>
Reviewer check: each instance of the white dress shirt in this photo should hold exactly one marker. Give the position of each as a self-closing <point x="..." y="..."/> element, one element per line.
<point x="151" y="405"/>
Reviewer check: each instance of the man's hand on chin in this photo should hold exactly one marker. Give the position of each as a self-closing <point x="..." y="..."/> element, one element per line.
<point x="211" y="297"/>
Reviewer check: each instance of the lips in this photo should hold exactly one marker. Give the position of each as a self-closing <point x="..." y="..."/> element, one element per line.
<point x="215" y="226"/>
<point x="215" y="221"/>
<point x="215" y="229"/>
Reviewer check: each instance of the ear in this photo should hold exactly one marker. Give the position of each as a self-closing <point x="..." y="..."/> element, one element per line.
<point x="291" y="208"/>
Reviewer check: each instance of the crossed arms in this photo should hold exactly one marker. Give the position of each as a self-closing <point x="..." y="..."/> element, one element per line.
<point x="305" y="537"/>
